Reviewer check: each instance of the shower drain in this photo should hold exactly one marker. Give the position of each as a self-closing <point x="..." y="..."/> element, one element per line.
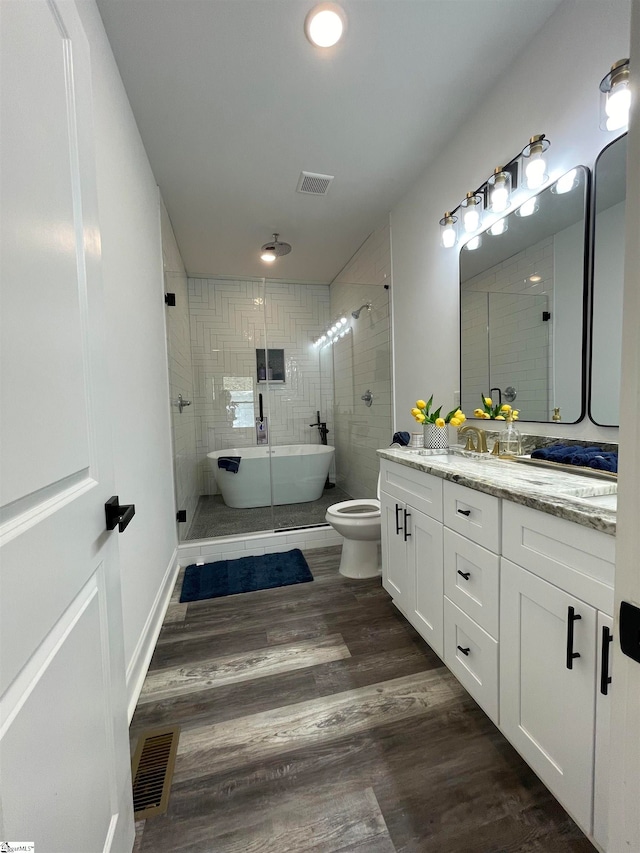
<point x="152" y="771"/>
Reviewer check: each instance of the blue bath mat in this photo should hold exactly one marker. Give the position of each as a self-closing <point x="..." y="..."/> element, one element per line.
<point x="247" y="574"/>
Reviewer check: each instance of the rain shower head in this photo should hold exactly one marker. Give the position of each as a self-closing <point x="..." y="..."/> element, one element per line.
<point x="355" y="314"/>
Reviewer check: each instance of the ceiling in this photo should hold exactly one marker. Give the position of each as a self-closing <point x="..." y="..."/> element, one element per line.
<point x="233" y="102"/>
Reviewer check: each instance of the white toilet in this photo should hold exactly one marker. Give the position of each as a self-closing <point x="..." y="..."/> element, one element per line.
<point x="359" y="522"/>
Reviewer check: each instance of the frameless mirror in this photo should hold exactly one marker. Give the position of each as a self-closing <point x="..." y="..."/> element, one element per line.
<point x="522" y="298"/>
<point x="608" y="280"/>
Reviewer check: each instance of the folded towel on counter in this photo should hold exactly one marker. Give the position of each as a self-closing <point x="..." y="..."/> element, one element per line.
<point x="574" y="454"/>
<point x="402" y="438"/>
<point x="229" y="463"/>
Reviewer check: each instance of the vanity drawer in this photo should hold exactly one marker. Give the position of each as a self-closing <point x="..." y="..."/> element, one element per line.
<point x="472" y="656"/>
<point x="473" y="514"/>
<point x="471" y="580"/>
<point x="569" y="555"/>
<point x="421" y="490"/>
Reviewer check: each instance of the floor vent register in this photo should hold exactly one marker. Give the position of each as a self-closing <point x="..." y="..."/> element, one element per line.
<point x="152" y="771"/>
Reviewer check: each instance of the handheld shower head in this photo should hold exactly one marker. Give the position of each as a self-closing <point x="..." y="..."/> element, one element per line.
<point x="355" y="314"/>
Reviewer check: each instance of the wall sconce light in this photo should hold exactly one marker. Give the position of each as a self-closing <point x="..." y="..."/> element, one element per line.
<point x="495" y="195"/>
<point x="499" y="190"/>
<point x="448" y="234"/>
<point x="534" y="161"/>
<point x="471" y="209"/>
<point x="615" y="100"/>
<point x="274" y="249"/>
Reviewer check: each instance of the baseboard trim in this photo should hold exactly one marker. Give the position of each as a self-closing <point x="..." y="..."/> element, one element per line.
<point x="141" y="658"/>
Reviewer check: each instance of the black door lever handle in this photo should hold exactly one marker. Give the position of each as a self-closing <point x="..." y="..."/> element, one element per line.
<point x="117" y="515"/>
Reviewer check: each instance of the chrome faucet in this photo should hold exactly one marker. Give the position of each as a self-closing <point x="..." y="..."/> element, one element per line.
<point x="480" y="444"/>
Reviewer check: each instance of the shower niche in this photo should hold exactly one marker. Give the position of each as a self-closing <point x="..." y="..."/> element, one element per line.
<point x="270" y="366"/>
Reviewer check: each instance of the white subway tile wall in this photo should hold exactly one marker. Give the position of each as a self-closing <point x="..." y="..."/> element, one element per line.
<point x="187" y="484"/>
<point x="505" y="340"/>
<point x="228" y="322"/>
<point x="362" y="362"/>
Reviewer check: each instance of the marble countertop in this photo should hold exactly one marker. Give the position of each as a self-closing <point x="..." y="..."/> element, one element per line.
<point x="578" y="498"/>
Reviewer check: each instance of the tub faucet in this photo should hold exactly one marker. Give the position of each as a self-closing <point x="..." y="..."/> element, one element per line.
<point x="480" y="444"/>
<point x="322" y="428"/>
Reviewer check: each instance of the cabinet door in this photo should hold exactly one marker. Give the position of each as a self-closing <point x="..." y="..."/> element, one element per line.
<point x="547" y="710"/>
<point x="424" y="559"/>
<point x="603" y="722"/>
<point x="394" y="550"/>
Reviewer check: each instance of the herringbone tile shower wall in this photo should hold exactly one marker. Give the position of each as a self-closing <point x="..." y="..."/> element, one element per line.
<point x="228" y="322"/>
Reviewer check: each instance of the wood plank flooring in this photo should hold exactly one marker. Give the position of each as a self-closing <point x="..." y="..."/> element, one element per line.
<point x="314" y="718"/>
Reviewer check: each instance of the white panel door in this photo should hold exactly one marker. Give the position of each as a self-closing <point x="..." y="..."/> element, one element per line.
<point x="424" y="557"/>
<point x="64" y="757"/>
<point x="547" y="710"/>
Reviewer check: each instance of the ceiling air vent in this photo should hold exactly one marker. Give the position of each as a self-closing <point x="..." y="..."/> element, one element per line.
<point x="314" y="184"/>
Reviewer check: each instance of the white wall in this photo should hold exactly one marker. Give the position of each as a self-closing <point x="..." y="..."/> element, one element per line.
<point x="362" y="361"/>
<point x="552" y="88"/>
<point x="129" y="209"/>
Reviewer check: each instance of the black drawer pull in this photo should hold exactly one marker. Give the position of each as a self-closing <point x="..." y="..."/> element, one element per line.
<point x="398" y="528"/>
<point x="406" y="529"/>
<point x="572" y="617"/>
<point x="464" y="651"/>
<point x="465" y="575"/>
<point x="605" y="678"/>
<point x="466" y="512"/>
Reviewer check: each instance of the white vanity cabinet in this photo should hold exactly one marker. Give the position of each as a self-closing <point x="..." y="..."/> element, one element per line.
<point x="411" y="507"/>
<point x="551" y="657"/>
<point x="471" y="589"/>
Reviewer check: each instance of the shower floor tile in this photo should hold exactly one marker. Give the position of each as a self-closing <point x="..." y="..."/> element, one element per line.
<point x="214" y="518"/>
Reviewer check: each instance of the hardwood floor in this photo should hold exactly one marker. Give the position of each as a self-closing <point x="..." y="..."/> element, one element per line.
<point x="314" y="718"/>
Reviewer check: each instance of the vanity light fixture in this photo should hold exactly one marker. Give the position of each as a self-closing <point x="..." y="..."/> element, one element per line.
<point x="471" y="212"/>
<point x="499" y="190"/>
<point x="566" y="182"/>
<point x="325" y="24"/>
<point x="615" y="99"/>
<point x="448" y="234"/>
<point x="334" y="332"/>
<point x="535" y="164"/>
<point x="274" y="249"/>
<point x="528" y="167"/>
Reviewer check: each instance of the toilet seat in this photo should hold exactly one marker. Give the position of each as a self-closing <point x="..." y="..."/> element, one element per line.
<point x="362" y="508"/>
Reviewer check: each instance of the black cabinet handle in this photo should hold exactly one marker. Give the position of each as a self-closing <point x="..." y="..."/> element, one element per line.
<point x="466" y="512"/>
<point x="398" y="528"/>
<point x="572" y="617"/>
<point x="406" y="529"/>
<point x="117" y="515"/>
<point x="605" y="678"/>
<point x="465" y="575"/>
<point x="464" y="651"/>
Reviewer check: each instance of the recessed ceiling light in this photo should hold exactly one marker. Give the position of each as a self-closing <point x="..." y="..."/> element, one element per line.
<point x="325" y="24"/>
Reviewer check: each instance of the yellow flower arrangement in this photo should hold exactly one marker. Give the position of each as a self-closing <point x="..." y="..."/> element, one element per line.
<point x="423" y="414"/>
<point x="497" y="413"/>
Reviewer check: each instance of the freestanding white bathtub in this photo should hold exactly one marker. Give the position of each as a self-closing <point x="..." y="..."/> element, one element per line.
<point x="298" y="474"/>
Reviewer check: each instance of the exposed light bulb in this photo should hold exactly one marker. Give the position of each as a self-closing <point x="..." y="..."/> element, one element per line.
<point x="471" y="219"/>
<point x="617" y="107"/>
<point x="528" y="207"/>
<point x="330" y="332"/>
<point x="474" y="243"/>
<point x="343" y="320"/>
<point x="499" y="198"/>
<point x="324" y="25"/>
<point x="268" y="256"/>
<point x="566" y="183"/>
<point x="448" y="237"/>
<point x="535" y="172"/>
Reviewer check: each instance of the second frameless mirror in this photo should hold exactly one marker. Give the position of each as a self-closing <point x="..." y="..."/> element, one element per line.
<point x="522" y="296"/>
<point x="608" y="280"/>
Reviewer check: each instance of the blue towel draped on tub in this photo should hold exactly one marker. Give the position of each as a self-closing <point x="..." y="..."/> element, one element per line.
<point x="229" y="463"/>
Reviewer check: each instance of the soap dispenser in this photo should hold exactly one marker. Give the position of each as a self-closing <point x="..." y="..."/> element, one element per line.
<point x="511" y="443"/>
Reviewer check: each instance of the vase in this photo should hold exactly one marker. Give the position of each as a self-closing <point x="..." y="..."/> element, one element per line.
<point x="435" y="437"/>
